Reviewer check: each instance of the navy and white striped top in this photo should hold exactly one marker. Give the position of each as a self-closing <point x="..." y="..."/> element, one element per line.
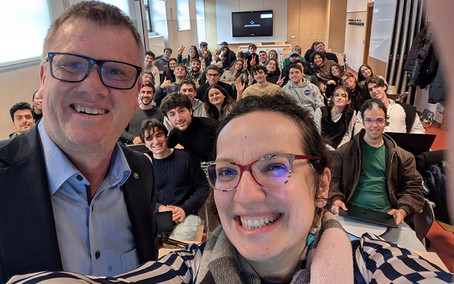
<point x="375" y="261"/>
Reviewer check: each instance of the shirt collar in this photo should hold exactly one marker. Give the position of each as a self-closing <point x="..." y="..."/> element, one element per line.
<point x="59" y="168"/>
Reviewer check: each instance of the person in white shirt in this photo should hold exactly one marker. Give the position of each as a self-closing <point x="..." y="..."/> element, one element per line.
<point x="149" y="58"/>
<point x="402" y="118"/>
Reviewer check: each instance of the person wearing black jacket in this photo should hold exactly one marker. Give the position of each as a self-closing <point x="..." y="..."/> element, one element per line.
<point x="213" y="74"/>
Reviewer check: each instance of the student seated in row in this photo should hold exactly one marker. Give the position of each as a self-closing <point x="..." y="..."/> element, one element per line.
<point x="213" y="74"/>
<point x="371" y="171"/>
<point x="22" y="117"/>
<point x="195" y="134"/>
<point x="37" y="105"/>
<point x="335" y="122"/>
<point x="150" y="67"/>
<point x="181" y="186"/>
<point x="301" y="90"/>
<point x="402" y="117"/>
<point x="162" y="62"/>
<point x="271" y="180"/>
<point x="261" y="87"/>
<point x="131" y="134"/>
<point x="218" y="103"/>
<point x="168" y="87"/>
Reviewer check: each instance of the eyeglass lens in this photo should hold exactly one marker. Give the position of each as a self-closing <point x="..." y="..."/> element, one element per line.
<point x="73" y="68"/>
<point x="378" y="120"/>
<point x="268" y="172"/>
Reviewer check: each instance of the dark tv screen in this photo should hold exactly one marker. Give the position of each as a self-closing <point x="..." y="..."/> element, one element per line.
<point x="253" y="23"/>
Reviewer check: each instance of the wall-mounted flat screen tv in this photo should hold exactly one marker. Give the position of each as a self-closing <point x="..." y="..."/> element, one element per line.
<point x="252" y="23"/>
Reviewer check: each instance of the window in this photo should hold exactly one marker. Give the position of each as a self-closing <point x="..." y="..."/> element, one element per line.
<point x="121" y="4"/>
<point x="24" y="25"/>
<point x="200" y="17"/>
<point x="148" y="16"/>
<point x="155" y="14"/>
<point x="183" y="19"/>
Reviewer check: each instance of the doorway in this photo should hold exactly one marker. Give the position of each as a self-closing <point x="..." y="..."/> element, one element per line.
<point x="369" y="16"/>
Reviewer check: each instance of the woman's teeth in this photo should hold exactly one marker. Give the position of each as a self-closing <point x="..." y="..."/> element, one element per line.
<point x="259" y="222"/>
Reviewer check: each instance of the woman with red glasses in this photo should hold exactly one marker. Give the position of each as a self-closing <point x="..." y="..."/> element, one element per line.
<point x="271" y="182"/>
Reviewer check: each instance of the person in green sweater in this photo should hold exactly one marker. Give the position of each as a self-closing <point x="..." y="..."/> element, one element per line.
<point x="295" y="50"/>
<point x="371" y="171"/>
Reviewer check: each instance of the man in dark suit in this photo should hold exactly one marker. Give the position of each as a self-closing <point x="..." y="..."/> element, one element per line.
<point x="71" y="198"/>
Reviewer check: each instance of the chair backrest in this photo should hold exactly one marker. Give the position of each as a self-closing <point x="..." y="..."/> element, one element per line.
<point x="423" y="220"/>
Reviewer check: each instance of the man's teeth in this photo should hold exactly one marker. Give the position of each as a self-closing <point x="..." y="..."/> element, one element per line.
<point x="87" y="110"/>
<point x="258" y="223"/>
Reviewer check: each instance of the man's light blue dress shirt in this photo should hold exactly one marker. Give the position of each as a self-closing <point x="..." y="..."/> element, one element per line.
<point x="94" y="233"/>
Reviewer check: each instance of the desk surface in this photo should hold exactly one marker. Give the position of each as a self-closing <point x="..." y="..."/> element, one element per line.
<point x="168" y="248"/>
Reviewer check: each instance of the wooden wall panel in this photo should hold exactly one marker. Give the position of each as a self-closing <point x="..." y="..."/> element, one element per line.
<point x="293" y="22"/>
<point x="378" y="66"/>
<point x="337" y="23"/>
<point x="317" y="20"/>
<point x="306" y="22"/>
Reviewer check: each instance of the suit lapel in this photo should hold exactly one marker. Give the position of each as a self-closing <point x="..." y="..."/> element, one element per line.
<point x="28" y="239"/>
<point x="140" y="201"/>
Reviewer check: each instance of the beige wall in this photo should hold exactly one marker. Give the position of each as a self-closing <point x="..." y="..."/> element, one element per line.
<point x="337" y="21"/>
<point x="306" y="22"/>
<point x="210" y="24"/>
<point x="16" y="85"/>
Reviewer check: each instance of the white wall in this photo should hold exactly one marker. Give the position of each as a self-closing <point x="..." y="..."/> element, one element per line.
<point x="382" y="27"/>
<point x="354" y="40"/>
<point x="357" y="5"/>
<point x="354" y="35"/>
<point x="224" y="9"/>
<point x="156" y="44"/>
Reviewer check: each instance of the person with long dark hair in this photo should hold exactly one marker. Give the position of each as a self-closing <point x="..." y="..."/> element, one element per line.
<point x="270" y="184"/>
<point x="192" y="54"/>
<point x="273" y="74"/>
<point x="307" y="55"/>
<point x="218" y="103"/>
<point x="335" y="122"/>
<point x="356" y="91"/>
<point x="236" y="71"/>
<point x="272" y="54"/>
<point x="365" y="72"/>
<point x="336" y="72"/>
<point x="168" y="74"/>
<point x="321" y="67"/>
